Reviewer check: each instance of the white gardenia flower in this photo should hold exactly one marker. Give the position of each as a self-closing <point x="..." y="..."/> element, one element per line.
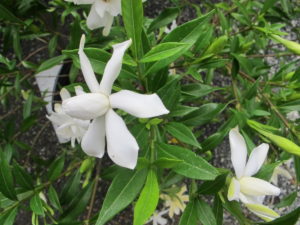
<point x="177" y="202"/>
<point x="102" y="13"/>
<point x="293" y="115"/>
<point x="250" y="190"/>
<point x="68" y="128"/>
<point x="158" y="219"/>
<point x="98" y="106"/>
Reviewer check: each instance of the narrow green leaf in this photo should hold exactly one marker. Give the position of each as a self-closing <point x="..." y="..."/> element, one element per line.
<point x="163" y="50"/>
<point x="6" y="181"/>
<point x="23" y="178"/>
<point x="36" y="205"/>
<point x="51" y="62"/>
<point x="218" y="210"/>
<point x="287" y="201"/>
<point x="163" y="19"/>
<point x="212" y="187"/>
<point x="268" y="4"/>
<point x="56" y="168"/>
<point x="205" y="213"/>
<point x="71" y="188"/>
<point x="167" y="163"/>
<point x="189" y="216"/>
<point x="132" y="12"/>
<point x="182" y="133"/>
<point x="147" y="201"/>
<point x="121" y="193"/>
<point x="27" y="106"/>
<point x="193" y="166"/>
<point x="8" y="15"/>
<point x="53" y="198"/>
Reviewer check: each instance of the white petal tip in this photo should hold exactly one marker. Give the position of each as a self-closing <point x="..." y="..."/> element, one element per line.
<point x="124" y="44"/>
<point x="82" y="42"/>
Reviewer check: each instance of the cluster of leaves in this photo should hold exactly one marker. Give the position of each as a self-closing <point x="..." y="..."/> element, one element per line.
<point x="226" y="43"/>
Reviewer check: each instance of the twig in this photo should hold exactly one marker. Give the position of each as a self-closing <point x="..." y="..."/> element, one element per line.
<point x="92" y="202"/>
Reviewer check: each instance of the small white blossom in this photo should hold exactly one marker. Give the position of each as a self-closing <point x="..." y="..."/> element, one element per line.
<point x="293" y="115"/>
<point x="98" y="106"/>
<point x="250" y="190"/>
<point x="158" y="219"/>
<point x="68" y="128"/>
<point x="176" y="202"/>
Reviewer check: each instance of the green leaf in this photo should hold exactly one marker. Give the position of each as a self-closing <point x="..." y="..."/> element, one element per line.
<point x="56" y="168"/>
<point x="148" y="200"/>
<point x="122" y="192"/>
<point x="189" y="216"/>
<point x="170" y="93"/>
<point x="212" y="187"/>
<point x="51" y="62"/>
<point x="163" y="19"/>
<point x="287" y="201"/>
<point x="197" y="90"/>
<point x="193" y="166"/>
<point x="6" y="181"/>
<point x="23" y="178"/>
<point x="268" y="4"/>
<point x="8" y="15"/>
<point x="288" y="219"/>
<point x="99" y="59"/>
<point x="53" y="198"/>
<point x="36" y="205"/>
<point x="78" y="204"/>
<point x="204" y="114"/>
<point x="190" y="31"/>
<point x="27" y="106"/>
<point x="163" y="50"/>
<point x="182" y="133"/>
<point x="9" y="217"/>
<point x="71" y="188"/>
<point x="205" y="213"/>
<point x="218" y="210"/>
<point x="132" y="12"/>
<point x="166" y="163"/>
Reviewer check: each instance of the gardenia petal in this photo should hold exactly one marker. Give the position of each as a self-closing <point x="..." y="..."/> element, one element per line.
<point x="113" y="67"/>
<point x="263" y="212"/>
<point x="93" y="142"/>
<point x="64" y="94"/>
<point x="139" y="105"/>
<point x="257" y="187"/>
<point x="238" y="151"/>
<point x="113" y="7"/>
<point x="122" y="147"/>
<point x="86" y="106"/>
<point x="251" y="199"/>
<point x="87" y="69"/>
<point x="256" y="159"/>
<point x="107" y="21"/>
<point x="233" y="190"/>
<point x="79" y="90"/>
<point x="93" y="20"/>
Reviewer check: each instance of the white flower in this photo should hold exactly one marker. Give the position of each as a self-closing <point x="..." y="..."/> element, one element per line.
<point x="293" y="115"/>
<point x="176" y="202"/>
<point x="250" y="190"/>
<point x="102" y="13"/>
<point x="67" y="127"/>
<point x="158" y="219"/>
<point x="173" y="26"/>
<point x="97" y="106"/>
<point x="280" y="171"/>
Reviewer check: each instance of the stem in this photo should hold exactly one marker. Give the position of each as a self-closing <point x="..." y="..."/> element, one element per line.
<point x="92" y="202"/>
